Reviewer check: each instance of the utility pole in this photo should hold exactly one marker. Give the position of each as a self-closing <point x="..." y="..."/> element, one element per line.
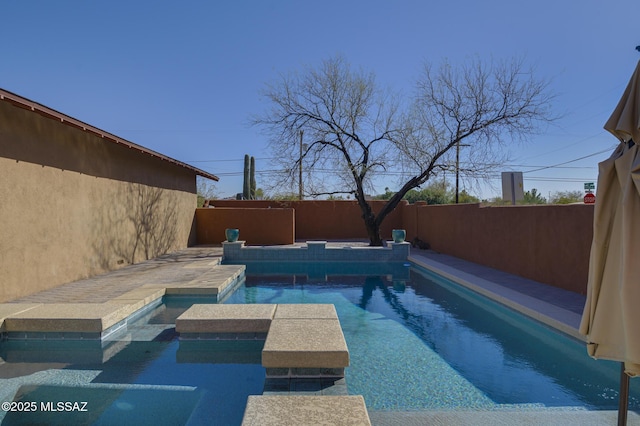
<point x="300" y="169"/>
<point x="457" y="168"/>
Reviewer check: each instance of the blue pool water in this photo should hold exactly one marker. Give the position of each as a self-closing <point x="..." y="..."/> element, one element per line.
<point x="416" y="341"/>
<point x="425" y="343"/>
<point x="147" y="377"/>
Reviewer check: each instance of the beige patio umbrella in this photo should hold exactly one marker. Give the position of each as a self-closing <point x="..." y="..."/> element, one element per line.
<point x="611" y="317"/>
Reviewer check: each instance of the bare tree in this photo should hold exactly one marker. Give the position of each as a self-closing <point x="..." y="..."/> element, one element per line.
<point x="354" y="129"/>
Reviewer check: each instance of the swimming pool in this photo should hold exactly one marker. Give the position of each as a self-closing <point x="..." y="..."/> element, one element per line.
<point x="417" y="342"/>
<point x="420" y="342"/>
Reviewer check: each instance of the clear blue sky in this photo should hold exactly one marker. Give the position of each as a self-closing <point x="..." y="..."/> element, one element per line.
<point x="183" y="78"/>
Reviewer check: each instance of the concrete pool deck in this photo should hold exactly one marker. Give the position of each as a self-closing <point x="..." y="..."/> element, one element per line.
<point x="558" y="308"/>
<point x="102" y="306"/>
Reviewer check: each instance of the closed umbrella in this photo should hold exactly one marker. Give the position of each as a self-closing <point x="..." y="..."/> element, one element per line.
<point x="611" y="317"/>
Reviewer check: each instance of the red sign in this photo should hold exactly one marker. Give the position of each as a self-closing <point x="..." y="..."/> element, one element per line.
<point x="590" y="198"/>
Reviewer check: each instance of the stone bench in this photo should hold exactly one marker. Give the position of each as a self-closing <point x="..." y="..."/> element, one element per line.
<point x="305" y="410"/>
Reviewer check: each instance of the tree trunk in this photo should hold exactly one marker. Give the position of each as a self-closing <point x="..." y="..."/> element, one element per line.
<point x="370" y="223"/>
<point x="373" y="222"/>
<point x="373" y="230"/>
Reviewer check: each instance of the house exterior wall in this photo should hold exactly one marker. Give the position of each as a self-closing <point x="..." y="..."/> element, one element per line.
<point x="73" y="205"/>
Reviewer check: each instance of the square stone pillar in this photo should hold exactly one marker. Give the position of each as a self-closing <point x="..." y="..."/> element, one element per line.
<point x="400" y="251"/>
<point x="316" y="250"/>
<point x="231" y="250"/>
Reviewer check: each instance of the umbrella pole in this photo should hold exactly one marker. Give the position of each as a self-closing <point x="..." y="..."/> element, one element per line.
<point x="623" y="403"/>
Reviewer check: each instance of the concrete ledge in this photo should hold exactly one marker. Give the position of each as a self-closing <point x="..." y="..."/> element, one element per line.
<point x="69" y="317"/>
<point x="9" y="309"/>
<point x="215" y="282"/>
<point x="305" y="343"/>
<point x="276" y="410"/>
<point x="252" y="318"/>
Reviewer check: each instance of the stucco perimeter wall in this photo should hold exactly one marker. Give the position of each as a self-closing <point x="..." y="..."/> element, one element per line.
<point x="73" y="205"/>
<point x="257" y="226"/>
<point x="549" y="244"/>
<point x="324" y="219"/>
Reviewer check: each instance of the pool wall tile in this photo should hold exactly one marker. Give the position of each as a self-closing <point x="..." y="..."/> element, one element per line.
<point x="315" y="251"/>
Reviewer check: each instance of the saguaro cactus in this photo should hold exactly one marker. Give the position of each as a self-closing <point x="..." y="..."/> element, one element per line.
<point x="252" y="179"/>
<point x="246" y="187"/>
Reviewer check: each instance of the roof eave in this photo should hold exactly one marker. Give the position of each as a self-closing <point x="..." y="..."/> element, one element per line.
<point x="27" y="104"/>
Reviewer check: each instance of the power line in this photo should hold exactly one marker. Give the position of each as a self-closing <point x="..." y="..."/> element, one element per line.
<point x="227" y="160"/>
<point x="570" y="161"/>
<point x="552" y="179"/>
<point x="400" y="173"/>
<point x="557" y="167"/>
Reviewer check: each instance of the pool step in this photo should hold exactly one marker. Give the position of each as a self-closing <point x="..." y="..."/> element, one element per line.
<point x="303" y="410"/>
<point x="218" y="281"/>
<point x="302" y="340"/>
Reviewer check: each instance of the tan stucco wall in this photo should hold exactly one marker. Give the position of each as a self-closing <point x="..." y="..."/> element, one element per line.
<point x="73" y="205"/>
